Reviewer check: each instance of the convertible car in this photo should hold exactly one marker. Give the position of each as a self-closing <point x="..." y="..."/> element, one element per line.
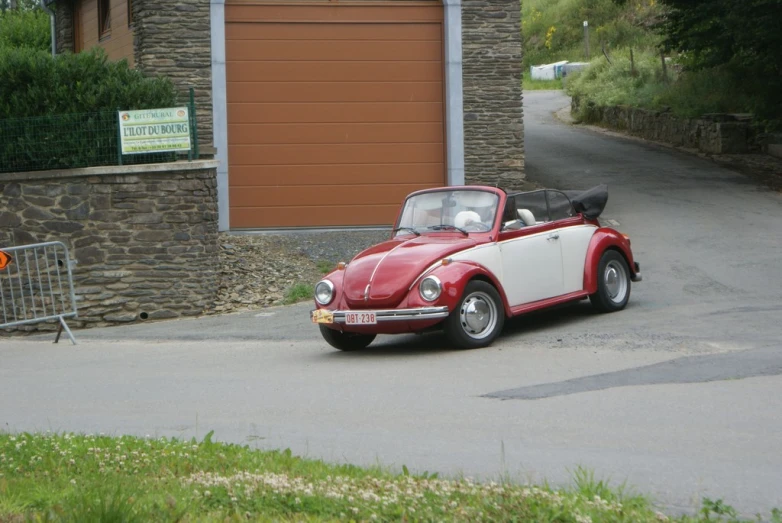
<point x="466" y="258"/>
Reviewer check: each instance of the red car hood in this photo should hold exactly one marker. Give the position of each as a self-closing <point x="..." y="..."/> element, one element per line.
<point x="390" y="268"/>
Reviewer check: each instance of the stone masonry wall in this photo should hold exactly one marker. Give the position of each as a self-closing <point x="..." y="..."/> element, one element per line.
<point x="144" y="238"/>
<point x="63" y="25"/>
<point x="493" y="128"/>
<point x="719" y="134"/>
<point x="173" y="39"/>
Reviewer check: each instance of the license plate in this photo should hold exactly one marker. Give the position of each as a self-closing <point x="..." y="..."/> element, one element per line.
<point x="360" y="318"/>
<point x="322" y="316"/>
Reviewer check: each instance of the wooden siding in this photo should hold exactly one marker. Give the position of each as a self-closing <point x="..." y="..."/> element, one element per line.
<point x="118" y="42"/>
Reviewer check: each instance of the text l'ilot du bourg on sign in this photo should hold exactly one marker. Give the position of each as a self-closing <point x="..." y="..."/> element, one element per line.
<point x="154" y="130"/>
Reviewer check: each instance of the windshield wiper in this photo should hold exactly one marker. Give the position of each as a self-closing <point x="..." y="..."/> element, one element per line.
<point x="407" y="229"/>
<point x="448" y="228"/>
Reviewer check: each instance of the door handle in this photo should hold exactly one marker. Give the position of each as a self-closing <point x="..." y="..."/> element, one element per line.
<point x="553" y="237"/>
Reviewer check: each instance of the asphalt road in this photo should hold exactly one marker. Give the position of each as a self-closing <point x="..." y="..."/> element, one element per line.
<point x="678" y="395"/>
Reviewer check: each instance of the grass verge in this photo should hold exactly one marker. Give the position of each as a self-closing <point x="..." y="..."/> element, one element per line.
<point x="85" y="478"/>
<point x="528" y="84"/>
<point x="298" y="292"/>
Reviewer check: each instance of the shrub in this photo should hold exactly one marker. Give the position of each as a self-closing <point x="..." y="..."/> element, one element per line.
<point x="61" y="112"/>
<point x="26" y="27"/>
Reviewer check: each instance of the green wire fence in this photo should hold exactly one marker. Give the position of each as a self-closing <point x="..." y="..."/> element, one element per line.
<point x="71" y="141"/>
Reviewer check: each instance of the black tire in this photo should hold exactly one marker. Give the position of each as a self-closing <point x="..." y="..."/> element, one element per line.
<point x="478" y="318"/>
<point x="613" y="283"/>
<point x="346" y="341"/>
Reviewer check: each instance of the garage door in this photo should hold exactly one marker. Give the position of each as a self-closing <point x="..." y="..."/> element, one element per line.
<point x="335" y="111"/>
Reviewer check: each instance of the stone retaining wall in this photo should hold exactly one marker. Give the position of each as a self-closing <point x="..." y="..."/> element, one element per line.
<point x="493" y="129"/>
<point x="718" y="134"/>
<point x="144" y="238"/>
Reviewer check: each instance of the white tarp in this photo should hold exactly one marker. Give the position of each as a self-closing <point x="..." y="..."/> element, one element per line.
<point x="548" y="71"/>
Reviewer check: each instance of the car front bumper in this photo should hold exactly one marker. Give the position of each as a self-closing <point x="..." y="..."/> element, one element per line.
<point x="385" y="315"/>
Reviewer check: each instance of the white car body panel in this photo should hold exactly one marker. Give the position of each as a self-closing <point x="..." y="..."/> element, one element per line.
<point x="575" y="243"/>
<point x="487" y="255"/>
<point x="532" y="268"/>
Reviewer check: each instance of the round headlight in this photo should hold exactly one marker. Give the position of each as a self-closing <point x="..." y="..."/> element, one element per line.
<point x="324" y="292"/>
<point x="430" y="288"/>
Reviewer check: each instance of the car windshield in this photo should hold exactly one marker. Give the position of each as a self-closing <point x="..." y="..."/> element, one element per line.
<point x="462" y="210"/>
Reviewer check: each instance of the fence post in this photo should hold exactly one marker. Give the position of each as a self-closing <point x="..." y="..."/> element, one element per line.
<point x="194" y="123"/>
<point x="119" y="139"/>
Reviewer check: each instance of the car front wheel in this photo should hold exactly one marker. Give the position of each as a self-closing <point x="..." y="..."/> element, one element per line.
<point x="347" y="341"/>
<point x="613" y="283"/>
<point x="478" y="318"/>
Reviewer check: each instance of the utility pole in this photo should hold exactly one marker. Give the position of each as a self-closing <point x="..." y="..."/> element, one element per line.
<point x="586" y="38"/>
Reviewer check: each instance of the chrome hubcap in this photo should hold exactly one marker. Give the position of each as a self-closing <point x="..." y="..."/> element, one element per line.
<point x="478" y="315"/>
<point x="615" y="278"/>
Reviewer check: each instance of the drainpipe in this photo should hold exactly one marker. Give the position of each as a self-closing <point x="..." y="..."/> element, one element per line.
<point x="52" y="24"/>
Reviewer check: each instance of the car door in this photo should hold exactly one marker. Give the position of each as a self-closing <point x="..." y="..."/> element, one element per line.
<point x="574" y="238"/>
<point x="531" y="255"/>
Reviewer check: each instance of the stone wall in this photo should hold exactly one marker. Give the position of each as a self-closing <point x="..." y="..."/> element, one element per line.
<point x="493" y="128"/>
<point x="143" y="237"/>
<point x="63" y="25"/>
<point x="173" y="39"/>
<point x="715" y="134"/>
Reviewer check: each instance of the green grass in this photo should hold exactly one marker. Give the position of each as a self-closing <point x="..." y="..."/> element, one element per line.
<point x="528" y="84"/>
<point x="299" y="292"/>
<point x="325" y="266"/>
<point x="88" y="478"/>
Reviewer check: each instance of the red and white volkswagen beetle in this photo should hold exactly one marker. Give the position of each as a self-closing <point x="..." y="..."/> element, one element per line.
<point x="465" y="258"/>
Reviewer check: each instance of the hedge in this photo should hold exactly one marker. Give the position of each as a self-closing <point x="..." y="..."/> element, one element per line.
<point x="61" y="112"/>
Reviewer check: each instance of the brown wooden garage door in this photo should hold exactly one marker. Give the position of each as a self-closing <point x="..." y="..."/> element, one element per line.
<point x="335" y="111"/>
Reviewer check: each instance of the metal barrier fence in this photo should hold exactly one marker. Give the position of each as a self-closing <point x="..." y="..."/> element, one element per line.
<point x="37" y="285"/>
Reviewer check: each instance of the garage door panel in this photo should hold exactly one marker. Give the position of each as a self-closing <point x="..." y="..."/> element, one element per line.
<point x="248" y="134"/>
<point x="332" y="13"/>
<point x="315" y="195"/>
<point x="334" y="154"/>
<point x="332" y="71"/>
<point x="328" y="50"/>
<point x="337" y="175"/>
<point x="335" y="112"/>
<point x="334" y="31"/>
<point x="323" y="216"/>
<point x="282" y="92"/>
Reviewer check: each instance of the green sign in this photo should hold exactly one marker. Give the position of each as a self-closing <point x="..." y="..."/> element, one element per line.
<point x="154" y="130"/>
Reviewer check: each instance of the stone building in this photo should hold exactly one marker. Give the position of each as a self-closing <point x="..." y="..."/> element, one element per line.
<point x="328" y="112"/>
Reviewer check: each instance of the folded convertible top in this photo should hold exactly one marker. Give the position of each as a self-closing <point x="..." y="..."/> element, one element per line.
<point x="590" y="202"/>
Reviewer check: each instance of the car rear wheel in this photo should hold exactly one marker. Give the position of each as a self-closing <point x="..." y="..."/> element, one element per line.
<point x="613" y="283"/>
<point x="347" y="341"/>
<point x="478" y="318"/>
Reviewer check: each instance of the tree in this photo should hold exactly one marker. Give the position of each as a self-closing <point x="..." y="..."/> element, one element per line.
<point x="25" y="27"/>
<point x="717" y="32"/>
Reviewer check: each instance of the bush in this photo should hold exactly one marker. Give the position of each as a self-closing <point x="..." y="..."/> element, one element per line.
<point x="61" y="112"/>
<point x="603" y="84"/>
<point x="26" y="27"/>
<point x="731" y="88"/>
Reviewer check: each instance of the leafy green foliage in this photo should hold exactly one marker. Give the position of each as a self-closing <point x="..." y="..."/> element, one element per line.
<point x="742" y="41"/>
<point x="25" y="27"/>
<point x="61" y="112"/>
<point x="35" y="84"/>
<point x="553" y="29"/>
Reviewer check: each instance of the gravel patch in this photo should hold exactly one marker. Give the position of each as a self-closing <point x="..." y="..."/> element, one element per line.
<point x="258" y="270"/>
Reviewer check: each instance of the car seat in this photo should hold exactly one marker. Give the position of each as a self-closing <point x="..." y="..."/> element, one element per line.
<point x="526" y="216"/>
